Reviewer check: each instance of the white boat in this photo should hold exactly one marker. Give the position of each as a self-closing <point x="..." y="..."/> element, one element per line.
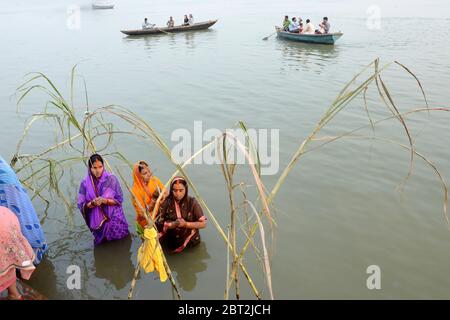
<point x="102" y="5"/>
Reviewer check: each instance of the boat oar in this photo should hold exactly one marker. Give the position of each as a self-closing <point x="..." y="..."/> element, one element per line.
<point x="265" y="38"/>
<point x="162" y="31"/>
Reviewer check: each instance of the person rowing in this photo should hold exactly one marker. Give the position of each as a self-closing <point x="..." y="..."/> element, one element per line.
<point x="147" y="25"/>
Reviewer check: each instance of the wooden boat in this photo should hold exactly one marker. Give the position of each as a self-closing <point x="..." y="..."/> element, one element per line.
<point x="329" y="38"/>
<point x="157" y="30"/>
<point x="102" y="5"/>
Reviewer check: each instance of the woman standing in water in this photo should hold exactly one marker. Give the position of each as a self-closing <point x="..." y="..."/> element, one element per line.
<point x="146" y="189"/>
<point x="180" y="218"/>
<point x="15" y="197"/>
<point x="100" y="201"/>
<point x="15" y="254"/>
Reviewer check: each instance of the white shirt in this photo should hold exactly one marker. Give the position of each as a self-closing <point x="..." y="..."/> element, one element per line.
<point x="309" y="28"/>
<point x="147" y="25"/>
<point x="191" y="20"/>
<point x="294" y="26"/>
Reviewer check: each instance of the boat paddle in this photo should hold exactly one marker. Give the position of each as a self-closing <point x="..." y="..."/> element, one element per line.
<point x="265" y="38"/>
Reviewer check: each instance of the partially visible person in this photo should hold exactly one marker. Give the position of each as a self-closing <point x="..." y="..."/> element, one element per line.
<point x="301" y="27"/>
<point x="15" y="254"/>
<point x="309" y="27"/>
<point x="15" y="197"/>
<point x="146" y="189"/>
<point x="191" y="19"/>
<point x="170" y="23"/>
<point x="100" y="202"/>
<point x="180" y="218"/>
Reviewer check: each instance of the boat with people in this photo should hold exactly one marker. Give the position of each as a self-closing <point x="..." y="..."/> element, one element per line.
<point x="102" y="5"/>
<point x="180" y="28"/>
<point x="327" y="38"/>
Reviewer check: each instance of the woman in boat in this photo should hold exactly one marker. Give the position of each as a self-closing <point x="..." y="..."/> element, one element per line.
<point x="180" y="218"/>
<point x="15" y="197"/>
<point x="185" y="20"/>
<point x="146" y="189"/>
<point x="15" y="254"/>
<point x="170" y="23"/>
<point x="191" y="19"/>
<point x="100" y="202"/>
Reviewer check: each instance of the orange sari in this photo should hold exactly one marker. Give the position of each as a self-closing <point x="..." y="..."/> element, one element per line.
<point x="143" y="193"/>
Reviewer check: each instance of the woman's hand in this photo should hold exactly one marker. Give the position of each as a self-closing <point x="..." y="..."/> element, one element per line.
<point x="172" y="225"/>
<point x="182" y="223"/>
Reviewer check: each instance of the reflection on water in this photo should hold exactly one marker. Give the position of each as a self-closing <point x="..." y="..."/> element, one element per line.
<point x="44" y="277"/>
<point x="187" y="264"/>
<point x="173" y="39"/>
<point x="305" y="56"/>
<point x="113" y="262"/>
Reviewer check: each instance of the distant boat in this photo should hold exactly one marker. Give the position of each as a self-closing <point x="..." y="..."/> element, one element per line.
<point x="328" y="38"/>
<point x="102" y="5"/>
<point x="157" y="30"/>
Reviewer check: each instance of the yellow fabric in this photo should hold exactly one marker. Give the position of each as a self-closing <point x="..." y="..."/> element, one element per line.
<point x="143" y="193"/>
<point x="150" y="255"/>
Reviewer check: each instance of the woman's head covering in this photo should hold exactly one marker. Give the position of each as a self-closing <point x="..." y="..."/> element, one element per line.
<point x="184" y="182"/>
<point x="139" y="189"/>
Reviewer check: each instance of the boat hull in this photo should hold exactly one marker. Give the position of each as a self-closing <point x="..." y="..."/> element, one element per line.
<point x="157" y="30"/>
<point x="329" y="38"/>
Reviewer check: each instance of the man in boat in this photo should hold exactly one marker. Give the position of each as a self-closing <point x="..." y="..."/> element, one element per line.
<point x="185" y="20"/>
<point x="170" y="23"/>
<point x="147" y="25"/>
<point x="191" y="19"/>
<point x="294" y="26"/>
<point x="309" y="27"/>
<point x="324" y="26"/>
<point x="286" y="23"/>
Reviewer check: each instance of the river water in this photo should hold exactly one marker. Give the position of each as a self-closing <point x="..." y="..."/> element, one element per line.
<point x="339" y="211"/>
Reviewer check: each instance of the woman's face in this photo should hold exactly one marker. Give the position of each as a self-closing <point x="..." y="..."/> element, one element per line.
<point x="146" y="174"/>
<point x="178" y="190"/>
<point x="97" y="169"/>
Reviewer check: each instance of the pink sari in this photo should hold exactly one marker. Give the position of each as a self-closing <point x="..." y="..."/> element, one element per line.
<point x="15" y="251"/>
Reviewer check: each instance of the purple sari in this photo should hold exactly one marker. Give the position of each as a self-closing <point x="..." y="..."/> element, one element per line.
<point x="106" y="223"/>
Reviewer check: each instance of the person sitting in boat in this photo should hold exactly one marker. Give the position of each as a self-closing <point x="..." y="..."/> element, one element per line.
<point x="294" y="26"/>
<point x="170" y="23"/>
<point x="309" y="27"/>
<point x="185" y="20"/>
<point x="286" y="23"/>
<point x="324" y="26"/>
<point x="147" y="25"/>
<point x="191" y="19"/>
<point x="301" y="27"/>
<point x="180" y="218"/>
